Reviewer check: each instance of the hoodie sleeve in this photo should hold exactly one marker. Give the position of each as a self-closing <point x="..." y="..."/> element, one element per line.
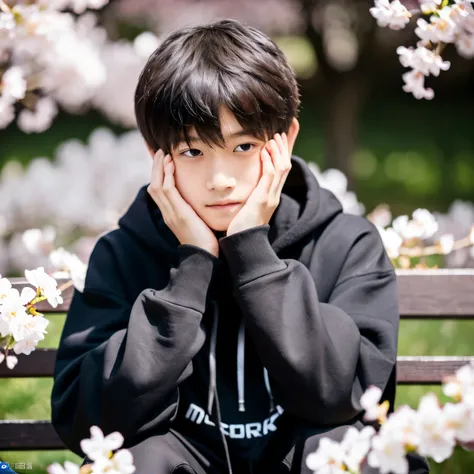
<point x="119" y="364"/>
<point x="320" y="356"/>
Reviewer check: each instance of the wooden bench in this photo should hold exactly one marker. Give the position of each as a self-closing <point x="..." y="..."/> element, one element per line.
<point x="424" y="294"/>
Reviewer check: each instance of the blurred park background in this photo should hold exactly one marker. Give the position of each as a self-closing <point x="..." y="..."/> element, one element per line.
<point x="80" y="173"/>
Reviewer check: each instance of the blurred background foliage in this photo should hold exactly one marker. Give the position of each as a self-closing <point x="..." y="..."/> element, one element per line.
<point x="354" y="117"/>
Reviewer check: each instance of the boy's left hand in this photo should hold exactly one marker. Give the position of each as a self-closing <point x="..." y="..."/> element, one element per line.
<point x="261" y="204"/>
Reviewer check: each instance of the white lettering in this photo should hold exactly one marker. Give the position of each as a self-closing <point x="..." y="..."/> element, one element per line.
<point x="224" y="427"/>
<point x="268" y="424"/>
<point x="195" y="414"/>
<point x="253" y="430"/>
<point x="236" y="431"/>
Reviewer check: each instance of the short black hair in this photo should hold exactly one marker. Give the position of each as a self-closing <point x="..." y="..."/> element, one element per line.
<point x="197" y="69"/>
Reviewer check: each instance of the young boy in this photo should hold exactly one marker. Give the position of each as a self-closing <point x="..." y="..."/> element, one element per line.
<point x="236" y="315"/>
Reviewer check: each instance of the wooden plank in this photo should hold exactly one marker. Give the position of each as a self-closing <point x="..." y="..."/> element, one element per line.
<point x="26" y="435"/>
<point x="45" y="307"/>
<point x="39" y="363"/>
<point x="17" y="435"/>
<point x="423" y="294"/>
<point x="411" y="370"/>
<point x="443" y="293"/>
<point x="428" y="370"/>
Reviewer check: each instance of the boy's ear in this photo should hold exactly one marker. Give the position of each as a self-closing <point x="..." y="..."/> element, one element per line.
<point x="292" y="134"/>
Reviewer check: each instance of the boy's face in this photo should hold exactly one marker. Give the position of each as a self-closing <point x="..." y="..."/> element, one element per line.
<point x="205" y="176"/>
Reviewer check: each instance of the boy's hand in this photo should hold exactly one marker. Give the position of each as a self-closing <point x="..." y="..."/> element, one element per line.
<point x="260" y="206"/>
<point x="178" y="215"/>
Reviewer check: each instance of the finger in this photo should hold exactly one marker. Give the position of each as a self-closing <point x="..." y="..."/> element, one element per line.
<point x="169" y="185"/>
<point x="279" y="140"/>
<point x="275" y="155"/>
<point x="156" y="186"/>
<point x="287" y="149"/>
<point x="283" y="161"/>
<point x="285" y="141"/>
<point x="281" y="170"/>
<point x="157" y="170"/>
<point x="156" y="183"/>
<point x="268" y="172"/>
<point x="180" y="207"/>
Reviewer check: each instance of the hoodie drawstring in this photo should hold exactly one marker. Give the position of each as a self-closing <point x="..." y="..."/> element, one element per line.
<point x="241" y="371"/>
<point x="213" y="386"/>
<point x="269" y="389"/>
<point x="212" y="360"/>
<point x="241" y="365"/>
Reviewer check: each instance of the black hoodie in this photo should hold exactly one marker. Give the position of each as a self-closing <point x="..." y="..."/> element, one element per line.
<point x="294" y="319"/>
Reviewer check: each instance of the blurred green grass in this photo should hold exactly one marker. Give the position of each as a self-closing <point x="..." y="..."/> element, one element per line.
<point x="29" y="398"/>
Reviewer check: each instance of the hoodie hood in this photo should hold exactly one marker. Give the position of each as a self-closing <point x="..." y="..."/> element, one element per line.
<point x="304" y="208"/>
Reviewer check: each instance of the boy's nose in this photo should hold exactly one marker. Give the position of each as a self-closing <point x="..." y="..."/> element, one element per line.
<point x="220" y="182"/>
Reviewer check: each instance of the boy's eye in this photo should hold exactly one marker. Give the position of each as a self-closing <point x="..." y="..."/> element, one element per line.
<point x="247" y="146"/>
<point x="194" y="152"/>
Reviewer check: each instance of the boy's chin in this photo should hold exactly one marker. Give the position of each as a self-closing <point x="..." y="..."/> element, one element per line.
<point x="218" y="226"/>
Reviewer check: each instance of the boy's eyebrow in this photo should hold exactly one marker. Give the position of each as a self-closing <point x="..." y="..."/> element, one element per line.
<point x="238" y="133"/>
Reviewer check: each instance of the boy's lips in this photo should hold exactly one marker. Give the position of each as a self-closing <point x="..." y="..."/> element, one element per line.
<point x="224" y="205"/>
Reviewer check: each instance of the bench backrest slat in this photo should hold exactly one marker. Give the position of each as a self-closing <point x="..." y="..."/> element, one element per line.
<point x="422" y="294"/>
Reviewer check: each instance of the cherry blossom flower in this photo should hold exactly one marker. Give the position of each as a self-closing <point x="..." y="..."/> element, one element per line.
<point x="465" y="45"/>
<point x="11" y="360"/>
<point x="460" y="418"/>
<point x="327" y="459"/>
<point x="436" y="440"/>
<point x="423" y="60"/>
<point x="45" y="284"/>
<point x="100" y="450"/>
<point x="71" y="265"/>
<point x="355" y="445"/>
<point x="13" y="83"/>
<point x="392" y="14"/>
<point x="415" y="83"/>
<point x="403" y="423"/>
<point x="28" y="344"/>
<point x="120" y="463"/>
<point x="41" y="118"/>
<point x="388" y="453"/>
<point x="423" y="225"/>
<point x="69" y="468"/>
<point x="430" y="6"/>
<point x="447" y="243"/>
<point x="98" y="445"/>
<point x="391" y="241"/>
<point x="461" y="384"/>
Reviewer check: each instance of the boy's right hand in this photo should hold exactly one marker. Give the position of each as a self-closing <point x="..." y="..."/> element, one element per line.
<point x="178" y="215"/>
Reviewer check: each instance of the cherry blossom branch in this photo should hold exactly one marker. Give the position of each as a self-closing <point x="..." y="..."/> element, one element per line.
<point x="449" y="22"/>
<point x="21" y="325"/>
<point x="433" y="430"/>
